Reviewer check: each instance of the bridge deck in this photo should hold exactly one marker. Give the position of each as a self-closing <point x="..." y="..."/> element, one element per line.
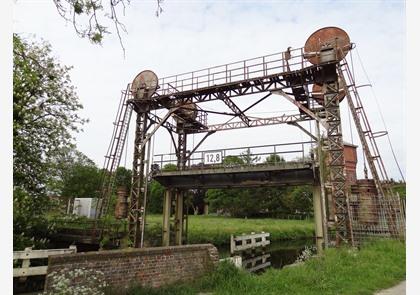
<point x="287" y="173"/>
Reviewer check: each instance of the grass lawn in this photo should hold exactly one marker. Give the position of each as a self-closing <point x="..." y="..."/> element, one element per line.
<point x="217" y="230"/>
<point x="378" y="265"/>
<point x="207" y="229"/>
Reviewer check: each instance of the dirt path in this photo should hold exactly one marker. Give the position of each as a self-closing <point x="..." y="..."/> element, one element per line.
<point x="396" y="290"/>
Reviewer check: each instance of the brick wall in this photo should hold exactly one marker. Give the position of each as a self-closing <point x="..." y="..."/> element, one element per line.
<point x="148" y="266"/>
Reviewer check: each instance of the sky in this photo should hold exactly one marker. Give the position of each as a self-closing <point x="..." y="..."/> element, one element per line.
<point x="191" y="35"/>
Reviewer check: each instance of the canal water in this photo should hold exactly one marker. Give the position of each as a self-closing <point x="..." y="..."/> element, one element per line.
<point x="281" y="252"/>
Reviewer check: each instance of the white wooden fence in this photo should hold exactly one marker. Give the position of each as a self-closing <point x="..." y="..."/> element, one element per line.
<point x="254" y="243"/>
<point x="246" y="242"/>
<point x="26" y="255"/>
<point x="256" y="263"/>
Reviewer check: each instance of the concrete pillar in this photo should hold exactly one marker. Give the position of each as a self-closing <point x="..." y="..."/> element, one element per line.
<point x="319" y="233"/>
<point x="179" y="220"/>
<point x="166" y="218"/>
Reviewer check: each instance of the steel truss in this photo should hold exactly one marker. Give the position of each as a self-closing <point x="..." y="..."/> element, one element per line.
<point x="292" y="76"/>
<point x="137" y="193"/>
<point x="335" y="149"/>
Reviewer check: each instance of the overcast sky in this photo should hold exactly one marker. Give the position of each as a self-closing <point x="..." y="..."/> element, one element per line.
<point x="191" y="35"/>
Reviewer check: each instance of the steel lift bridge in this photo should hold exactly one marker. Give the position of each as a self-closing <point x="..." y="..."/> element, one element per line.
<point x="315" y="78"/>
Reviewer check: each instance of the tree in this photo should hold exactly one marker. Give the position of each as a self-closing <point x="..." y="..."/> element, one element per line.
<point x="236" y="202"/>
<point x="45" y="113"/>
<point x="240" y="202"/>
<point x="81" y="181"/>
<point x="274" y="158"/>
<point x="248" y="158"/>
<point x="62" y="165"/>
<point x="90" y="16"/>
<point x="123" y="178"/>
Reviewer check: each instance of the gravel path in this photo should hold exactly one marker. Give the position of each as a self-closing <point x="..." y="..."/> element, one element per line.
<point x="396" y="290"/>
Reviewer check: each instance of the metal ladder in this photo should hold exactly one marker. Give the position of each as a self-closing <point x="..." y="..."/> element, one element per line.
<point x="368" y="141"/>
<point x="114" y="153"/>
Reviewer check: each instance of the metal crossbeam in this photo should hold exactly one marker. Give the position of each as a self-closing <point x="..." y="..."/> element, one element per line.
<point x="302" y="107"/>
<point x="234" y="108"/>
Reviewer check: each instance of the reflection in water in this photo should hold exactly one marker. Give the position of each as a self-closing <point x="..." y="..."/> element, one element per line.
<point x="281" y="252"/>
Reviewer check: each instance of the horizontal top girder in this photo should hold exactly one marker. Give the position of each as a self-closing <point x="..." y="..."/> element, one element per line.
<point x="287" y="173"/>
<point x="252" y="85"/>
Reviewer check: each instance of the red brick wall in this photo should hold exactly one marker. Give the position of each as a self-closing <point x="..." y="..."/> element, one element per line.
<point x="350" y="163"/>
<point x="148" y="266"/>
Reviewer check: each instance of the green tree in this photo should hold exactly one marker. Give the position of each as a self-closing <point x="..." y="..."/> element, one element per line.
<point x="90" y="18"/>
<point x="45" y="113"/>
<point x="240" y="202"/>
<point x="274" y="158"/>
<point x="123" y="178"/>
<point x="62" y="165"/>
<point x="248" y="158"/>
<point x="81" y="181"/>
<point x="236" y="202"/>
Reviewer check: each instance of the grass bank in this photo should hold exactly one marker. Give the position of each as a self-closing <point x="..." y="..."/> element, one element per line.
<point x="343" y="271"/>
<point x="217" y="230"/>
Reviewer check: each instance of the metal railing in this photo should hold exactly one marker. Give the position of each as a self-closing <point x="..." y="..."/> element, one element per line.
<point x="274" y="154"/>
<point x="262" y="66"/>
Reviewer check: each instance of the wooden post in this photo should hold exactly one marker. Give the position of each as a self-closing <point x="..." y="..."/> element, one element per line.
<point x="318" y="218"/>
<point x="179" y="220"/>
<point x="166" y="218"/>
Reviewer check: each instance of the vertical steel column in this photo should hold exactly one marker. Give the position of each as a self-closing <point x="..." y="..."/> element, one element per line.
<point x="336" y="163"/>
<point x="179" y="217"/>
<point x="179" y="194"/>
<point x="319" y="233"/>
<point x="322" y="175"/>
<point x="137" y="194"/>
<point x="166" y="227"/>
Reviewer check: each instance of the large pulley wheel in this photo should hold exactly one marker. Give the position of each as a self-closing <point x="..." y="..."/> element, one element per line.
<point x="144" y="85"/>
<point x="324" y="39"/>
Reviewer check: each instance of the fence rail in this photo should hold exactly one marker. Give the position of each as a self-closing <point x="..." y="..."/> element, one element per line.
<point x="248" y="251"/>
<point x="28" y="254"/>
<point x="256" y="263"/>
<point x="250" y="155"/>
<point x="281" y="62"/>
<point x="246" y="242"/>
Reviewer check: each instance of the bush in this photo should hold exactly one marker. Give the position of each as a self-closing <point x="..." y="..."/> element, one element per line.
<point x="79" y="281"/>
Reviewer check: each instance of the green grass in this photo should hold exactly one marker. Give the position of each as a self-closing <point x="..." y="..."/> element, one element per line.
<point x="376" y="266"/>
<point x="217" y="230"/>
<point x="205" y="229"/>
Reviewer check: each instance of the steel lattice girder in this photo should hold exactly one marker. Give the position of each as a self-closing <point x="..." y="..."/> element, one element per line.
<point x="336" y="164"/>
<point x="268" y="83"/>
<point x="135" y="214"/>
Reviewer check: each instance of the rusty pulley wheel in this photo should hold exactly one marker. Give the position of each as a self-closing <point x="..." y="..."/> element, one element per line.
<point x="325" y="38"/>
<point x="144" y="84"/>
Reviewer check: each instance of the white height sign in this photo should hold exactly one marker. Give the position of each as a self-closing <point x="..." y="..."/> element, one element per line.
<point x="212" y="157"/>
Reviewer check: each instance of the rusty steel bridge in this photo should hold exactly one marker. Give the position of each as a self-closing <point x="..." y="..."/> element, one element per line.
<point x="315" y="78"/>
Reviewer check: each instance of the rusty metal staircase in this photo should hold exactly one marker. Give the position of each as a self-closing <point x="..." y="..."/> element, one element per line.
<point x="114" y="153"/>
